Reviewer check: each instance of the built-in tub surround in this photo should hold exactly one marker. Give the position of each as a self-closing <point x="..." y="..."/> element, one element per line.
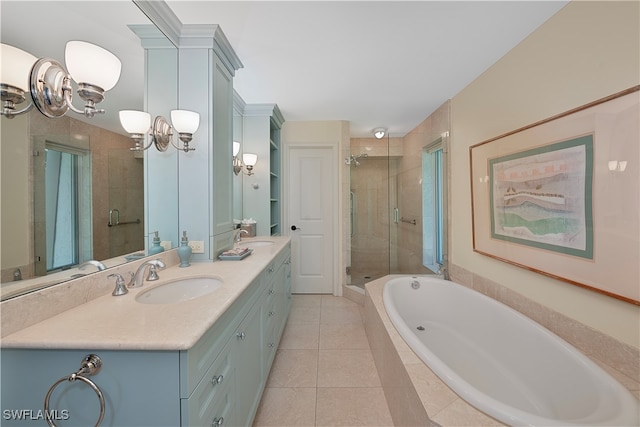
<point x="82" y="313"/>
<point x="406" y="379"/>
<point x="502" y="362"/>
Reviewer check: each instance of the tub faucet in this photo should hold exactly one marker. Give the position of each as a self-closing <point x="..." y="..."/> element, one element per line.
<point x="97" y="264"/>
<point x="154" y="265"/>
<point x="442" y="272"/>
<point x="238" y="237"/>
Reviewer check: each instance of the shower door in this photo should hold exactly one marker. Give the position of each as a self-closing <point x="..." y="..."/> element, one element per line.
<point x="386" y="210"/>
<point x="373" y="213"/>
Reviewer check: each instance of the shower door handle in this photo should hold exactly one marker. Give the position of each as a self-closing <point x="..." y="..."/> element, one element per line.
<point x="294" y="228"/>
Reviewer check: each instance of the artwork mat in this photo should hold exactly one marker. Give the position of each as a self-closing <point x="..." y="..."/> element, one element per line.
<point x="613" y="268"/>
<point x="566" y="169"/>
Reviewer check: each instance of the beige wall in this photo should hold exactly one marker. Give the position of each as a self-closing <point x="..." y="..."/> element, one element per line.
<point x="586" y="51"/>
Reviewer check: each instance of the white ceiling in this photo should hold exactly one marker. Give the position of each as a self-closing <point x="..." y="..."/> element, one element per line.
<point x="372" y="63"/>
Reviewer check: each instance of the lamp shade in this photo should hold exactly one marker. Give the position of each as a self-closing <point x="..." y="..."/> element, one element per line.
<point x="88" y="63"/>
<point x="15" y="66"/>
<point x="250" y="159"/>
<point x="236" y="148"/>
<point x="185" y="121"/>
<point x="135" y="122"/>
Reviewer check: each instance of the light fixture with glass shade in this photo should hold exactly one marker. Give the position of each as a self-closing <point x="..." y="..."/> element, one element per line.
<point x="249" y="160"/>
<point x="137" y="124"/>
<point x="379" y="133"/>
<point x="94" y="69"/>
<point x="237" y="163"/>
<point x="15" y="66"/>
<point x="186" y="123"/>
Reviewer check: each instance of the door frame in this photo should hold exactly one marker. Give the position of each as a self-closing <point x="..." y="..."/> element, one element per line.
<point x="338" y="227"/>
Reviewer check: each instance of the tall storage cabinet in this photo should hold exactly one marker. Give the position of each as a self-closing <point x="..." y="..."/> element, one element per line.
<point x="262" y="191"/>
<point x="206" y="66"/>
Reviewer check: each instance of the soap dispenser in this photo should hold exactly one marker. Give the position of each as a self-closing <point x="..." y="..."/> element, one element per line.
<point x="156" y="248"/>
<point x="184" y="251"/>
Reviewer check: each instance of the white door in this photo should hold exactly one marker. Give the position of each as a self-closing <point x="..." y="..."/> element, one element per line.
<point x="312" y="183"/>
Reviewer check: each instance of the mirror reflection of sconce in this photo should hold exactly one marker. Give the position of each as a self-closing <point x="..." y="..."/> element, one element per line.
<point x="94" y="69"/>
<point x="237" y="163"/>
<point x="138" y="123"/>
<point x="617" y="166"/>
<point x="248" y="161"/>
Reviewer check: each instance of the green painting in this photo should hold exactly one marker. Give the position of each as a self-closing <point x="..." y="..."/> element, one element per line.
<point x="542" y="197"/>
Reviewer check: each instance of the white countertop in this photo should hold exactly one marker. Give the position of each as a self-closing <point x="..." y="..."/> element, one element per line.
<point x="122" y="323"/>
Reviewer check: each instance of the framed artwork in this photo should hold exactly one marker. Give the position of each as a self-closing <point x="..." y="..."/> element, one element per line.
<point x="561" y="197"/>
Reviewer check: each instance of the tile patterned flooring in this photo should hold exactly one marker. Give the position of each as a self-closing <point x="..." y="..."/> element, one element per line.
<point x="323" y="373"/>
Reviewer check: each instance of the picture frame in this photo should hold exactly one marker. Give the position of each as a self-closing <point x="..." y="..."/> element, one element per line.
<point x="561" y="197"/>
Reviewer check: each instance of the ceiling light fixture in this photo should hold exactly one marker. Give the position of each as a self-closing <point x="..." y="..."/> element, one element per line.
<point x="379" y="133"/>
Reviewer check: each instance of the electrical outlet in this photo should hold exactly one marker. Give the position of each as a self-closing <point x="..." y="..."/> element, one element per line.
<point x="197" y="246"/>
<point x="166" y="244"/>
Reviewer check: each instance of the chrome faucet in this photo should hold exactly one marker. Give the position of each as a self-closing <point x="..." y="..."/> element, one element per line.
<point x="238" y="237"/>
<point x="121" y="288"/>
<point x="97" y="264"/>
<point x="154" y="265"/>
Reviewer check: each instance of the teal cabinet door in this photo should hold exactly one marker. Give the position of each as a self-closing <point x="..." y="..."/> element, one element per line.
<point x="248" y="363"/>
<point x="140" y="388"/>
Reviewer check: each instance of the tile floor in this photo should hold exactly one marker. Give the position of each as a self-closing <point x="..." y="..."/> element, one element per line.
<point x="323" y="373"/>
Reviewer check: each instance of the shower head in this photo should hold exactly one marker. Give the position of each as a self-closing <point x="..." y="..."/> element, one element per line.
<point x="353" y="159"/>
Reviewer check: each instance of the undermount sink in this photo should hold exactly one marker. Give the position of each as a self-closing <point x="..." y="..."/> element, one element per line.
<point x="255" y="243"/>
<point x="179" y="290"/>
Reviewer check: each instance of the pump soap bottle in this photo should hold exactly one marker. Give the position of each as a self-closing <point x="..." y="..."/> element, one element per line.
<point x="184" y="251"/>
<point x="156" y="248"/>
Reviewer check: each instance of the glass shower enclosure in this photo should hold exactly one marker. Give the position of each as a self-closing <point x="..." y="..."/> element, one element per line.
<point x="385" y="210"/>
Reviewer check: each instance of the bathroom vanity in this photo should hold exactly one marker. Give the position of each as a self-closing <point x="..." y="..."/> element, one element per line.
<point x="202" y="361"/>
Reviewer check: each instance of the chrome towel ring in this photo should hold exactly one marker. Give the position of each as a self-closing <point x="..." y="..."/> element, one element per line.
<point x="90" y="365"/>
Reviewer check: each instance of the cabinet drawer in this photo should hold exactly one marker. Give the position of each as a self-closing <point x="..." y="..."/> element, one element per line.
<point x="215" y="387"/>
<point x="197" y="360"/>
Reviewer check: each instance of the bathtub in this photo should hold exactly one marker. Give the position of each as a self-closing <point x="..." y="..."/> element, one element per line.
<point x="502" y="362"/>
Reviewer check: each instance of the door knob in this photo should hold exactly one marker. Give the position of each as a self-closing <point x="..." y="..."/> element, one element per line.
<point x="294" y="228"/>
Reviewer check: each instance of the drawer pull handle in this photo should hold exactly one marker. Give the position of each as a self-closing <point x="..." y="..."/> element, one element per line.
<point x="217" y="379"/>
<point x="217" y="422"/>
<point x="271" y="313"/>
<point x="270" y="269"/>
<point x="241" y="335"/>
<point x="271" y="292"/>
<point x="271" y="345"/>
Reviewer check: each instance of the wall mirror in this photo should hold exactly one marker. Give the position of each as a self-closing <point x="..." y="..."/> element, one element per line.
<point x="92" y="177"/>
<point x="237" y="178"/>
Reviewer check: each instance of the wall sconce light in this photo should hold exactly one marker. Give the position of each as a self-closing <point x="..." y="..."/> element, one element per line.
<point x="379" y="133"/>
<point x="237" y="163"/>
<point x="14" y="79"/>
<point x="249" y="160"/>
<point x="94" y="69"/>
<point x="137" y="124"/>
